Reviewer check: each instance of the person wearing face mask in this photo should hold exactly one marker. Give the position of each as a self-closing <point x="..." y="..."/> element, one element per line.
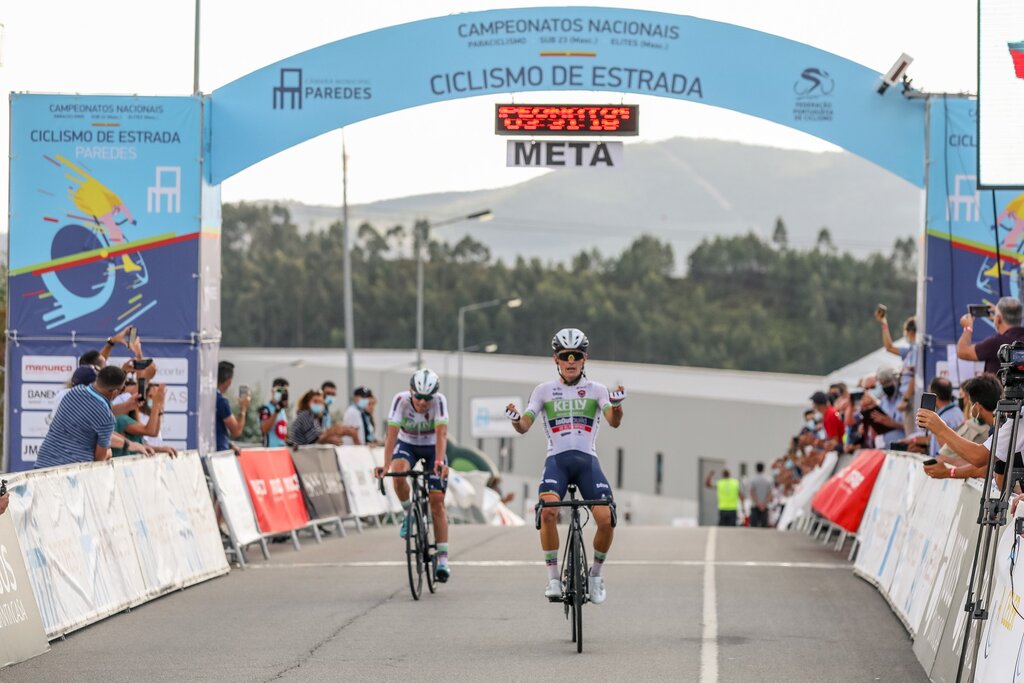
<point x="357" y="416"/>
<point x="886" y="418"/>
<point x="831" y="423"/>
<point x="130" y="427"/>
<point x="964" y="453"/>
<point x="330" y="391"/>
<point x="274" y="415"/>
<point x="308" y="427"/>
<point x="83" y="422"/>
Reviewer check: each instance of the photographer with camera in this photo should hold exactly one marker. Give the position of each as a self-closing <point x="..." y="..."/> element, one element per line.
<point x="274" y="415"/>
<point x="1007" y="321"/>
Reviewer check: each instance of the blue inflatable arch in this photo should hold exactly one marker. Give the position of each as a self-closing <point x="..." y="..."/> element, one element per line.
<point x="570" y="48"/>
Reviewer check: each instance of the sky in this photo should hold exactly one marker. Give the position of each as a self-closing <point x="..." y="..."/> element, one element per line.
<point x="132" y="47"/>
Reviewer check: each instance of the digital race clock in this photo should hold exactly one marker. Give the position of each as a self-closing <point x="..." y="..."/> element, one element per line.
<point x="566" y="119"/>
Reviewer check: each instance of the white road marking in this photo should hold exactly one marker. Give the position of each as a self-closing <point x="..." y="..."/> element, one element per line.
<point x="536" y="563"/>
<point x="709" y="640"/>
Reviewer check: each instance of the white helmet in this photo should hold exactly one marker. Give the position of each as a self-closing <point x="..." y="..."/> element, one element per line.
<point x="424" y="382"/>
<point x="570" y="339"/>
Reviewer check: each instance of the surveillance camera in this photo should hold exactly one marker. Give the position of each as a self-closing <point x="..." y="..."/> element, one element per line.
<point x="896" y="72"/>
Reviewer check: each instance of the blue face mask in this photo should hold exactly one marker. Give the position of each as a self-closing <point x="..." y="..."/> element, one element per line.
<point x="317" y="408"/>
<point x="328" y="400"/>
<point x="362" y="403"/>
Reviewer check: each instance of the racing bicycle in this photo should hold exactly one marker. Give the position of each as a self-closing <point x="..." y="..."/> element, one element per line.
<point x="575" y="573"/>
<point x="420" y="547"/>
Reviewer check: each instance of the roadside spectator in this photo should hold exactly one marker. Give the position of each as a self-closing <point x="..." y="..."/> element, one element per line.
<point x="981" y="394"/>
<point x="357" y="416"/>
<point x="760" y="489"/>
<point x="83" y="422"/>
<point x="373" y="435"/>
<point x="129" y="426"/>
<point x="228" y="426"/>
<point x="274" y="415"/>
<point x="830" y="421"/>
<point x="883" y="414"/>
<point x="947" y="409"/>
<point x="308" y="426"/>
<point x="330" y="391"/>
<point x="1007" y="321"/>
<point x="729" y="497"/>
<point x="146" y="412"/>
<point x="908" y="354"/>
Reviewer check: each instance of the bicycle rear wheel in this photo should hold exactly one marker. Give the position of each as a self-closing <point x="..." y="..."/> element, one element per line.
<point x="414" y="553"/>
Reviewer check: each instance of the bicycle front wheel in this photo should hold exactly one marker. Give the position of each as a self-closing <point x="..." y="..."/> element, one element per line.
<point x="579" y="590"/>
<point x="429" y="552"/>
<point x="414" y="552"/>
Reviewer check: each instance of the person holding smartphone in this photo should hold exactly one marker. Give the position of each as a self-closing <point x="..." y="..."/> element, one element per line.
<point x="940" y="400"/>
<point x="908" y="354"/>
<point x="227" y="425"/>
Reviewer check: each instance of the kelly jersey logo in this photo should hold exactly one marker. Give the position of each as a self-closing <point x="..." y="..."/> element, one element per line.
<point x="813" y="83"/>
<point x="293" y="89"/>
<point x="571" y="414"/>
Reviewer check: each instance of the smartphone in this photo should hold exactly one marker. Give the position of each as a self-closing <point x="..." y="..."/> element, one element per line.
<point x="898" y="446"/>
<point x="3" y="487"/>
<point x="881" y="310"/>
<point x="141" y="363"/>
<point x="856" y="396"/>
<point x="133" y="334"/>
<point x="927" y="401"/>
<point x="244" y="391"/>
<point x="142" y="388"/>
<point x="979" y="310"/>
<point x="930" y="461"/>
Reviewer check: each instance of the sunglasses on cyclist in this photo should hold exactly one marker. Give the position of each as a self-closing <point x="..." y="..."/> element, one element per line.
<point x="569" y="356"/>
<point x="423" y="397"/>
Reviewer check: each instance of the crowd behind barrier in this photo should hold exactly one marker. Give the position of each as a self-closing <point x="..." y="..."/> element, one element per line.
<point x="915" y="542"/>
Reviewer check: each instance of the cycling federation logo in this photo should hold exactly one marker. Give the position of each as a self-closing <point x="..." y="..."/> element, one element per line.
<point x="289" y="86"/>
<point x="813" y="91"/>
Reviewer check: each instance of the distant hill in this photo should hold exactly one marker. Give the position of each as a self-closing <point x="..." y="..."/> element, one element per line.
<point x="680" y="190"/>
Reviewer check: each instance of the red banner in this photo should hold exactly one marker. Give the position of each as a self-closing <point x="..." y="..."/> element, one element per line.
<point x="274" y="489"/>
<point x="844" y="497"/>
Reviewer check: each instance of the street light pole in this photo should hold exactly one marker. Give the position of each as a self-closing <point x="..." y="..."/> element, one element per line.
<point x="515" y="302"/>
<point x="420" y="233"/>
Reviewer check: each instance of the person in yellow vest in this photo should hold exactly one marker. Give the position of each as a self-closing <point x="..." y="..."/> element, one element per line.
<point x="729" y="497"/>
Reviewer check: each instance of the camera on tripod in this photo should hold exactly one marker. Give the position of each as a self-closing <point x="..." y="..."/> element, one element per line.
<point x="1011" y="369"/>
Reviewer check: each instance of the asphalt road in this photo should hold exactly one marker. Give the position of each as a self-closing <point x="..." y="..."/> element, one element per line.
<point x="785" y="609"/>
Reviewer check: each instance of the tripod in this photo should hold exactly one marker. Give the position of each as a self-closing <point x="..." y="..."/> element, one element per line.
<point x="991" y="517"/>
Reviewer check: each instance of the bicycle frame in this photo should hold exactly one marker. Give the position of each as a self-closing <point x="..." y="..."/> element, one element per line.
<point x="420" y="552"/>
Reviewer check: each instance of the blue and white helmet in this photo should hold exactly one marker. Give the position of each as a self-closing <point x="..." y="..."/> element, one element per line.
<point x="570" y="339"/>
<point x="425" y="382"/>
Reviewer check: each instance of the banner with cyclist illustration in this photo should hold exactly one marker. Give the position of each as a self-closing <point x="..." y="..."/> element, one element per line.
<point x="104" y="215"/>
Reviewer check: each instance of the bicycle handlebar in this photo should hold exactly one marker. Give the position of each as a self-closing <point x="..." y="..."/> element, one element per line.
<point x="575" y="503"/>
<point x="407" y="473"/>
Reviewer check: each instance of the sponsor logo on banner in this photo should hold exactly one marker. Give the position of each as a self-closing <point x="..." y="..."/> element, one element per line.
<point x="563" y="154"/>
<point x="171" y="370"/>
<point x="39" y="396"/>
<point x="47" y="368"/>
<point x="813" y="90"/>
<point x="176" y="399"/>
<point x="30" y="449"/>
<point x="35" y="423"/>
<point x="293" y="88"/>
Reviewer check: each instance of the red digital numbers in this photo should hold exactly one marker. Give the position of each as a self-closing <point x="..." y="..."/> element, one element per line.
<point x="566" y="119"/>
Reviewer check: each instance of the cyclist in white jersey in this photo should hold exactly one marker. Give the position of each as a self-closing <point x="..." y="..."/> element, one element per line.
<point x="418" y="431"/>
<point x="571" y="408"/>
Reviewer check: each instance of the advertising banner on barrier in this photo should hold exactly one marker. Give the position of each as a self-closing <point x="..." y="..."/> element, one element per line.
<point x="393" y="503"/>
<point x="274" y="489"/>
<point x="883" y="519"/>
<point x="936" y="645"/>
<point x="233" y="495"/>
<point x="1001" y="652"/>
<point x="844" y="497"/>
<point x="321" y="480"/>
<point x="104" y="215"/>
<point x="38" y="370"/>
<point x="21" y="628"/>
<point x="357" y="463"/>
<point x="799" y="503"/>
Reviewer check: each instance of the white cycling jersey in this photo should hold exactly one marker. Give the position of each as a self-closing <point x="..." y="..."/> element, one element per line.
<point x="417" y="429"/>
<point x="571" y="414"/>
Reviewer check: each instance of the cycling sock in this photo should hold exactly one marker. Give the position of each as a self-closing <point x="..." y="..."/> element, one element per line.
<point x="599" y="557"/>
<point x="551" y="560"/>
<point x="406" y="504"/>
<point x="442" y="553"/>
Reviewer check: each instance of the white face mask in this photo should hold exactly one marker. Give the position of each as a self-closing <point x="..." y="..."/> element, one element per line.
<point x="817" y="416"/>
